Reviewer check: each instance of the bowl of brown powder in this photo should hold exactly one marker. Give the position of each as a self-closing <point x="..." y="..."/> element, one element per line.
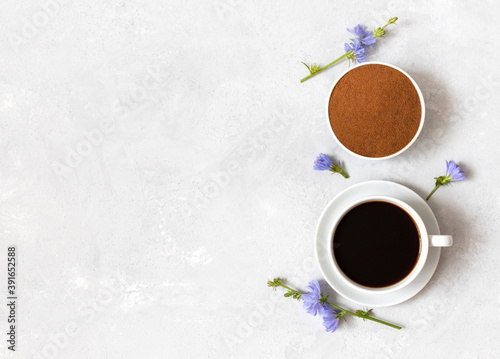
<point x="375" y="110"/>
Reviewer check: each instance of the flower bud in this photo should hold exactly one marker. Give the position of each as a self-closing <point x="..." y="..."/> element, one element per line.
<point x="379" y="32"/>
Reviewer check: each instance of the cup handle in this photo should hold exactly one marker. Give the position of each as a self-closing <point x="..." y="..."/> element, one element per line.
<point x="440" y="241"/>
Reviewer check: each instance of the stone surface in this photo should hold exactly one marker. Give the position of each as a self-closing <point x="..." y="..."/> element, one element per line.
<point x="156" y="172"/>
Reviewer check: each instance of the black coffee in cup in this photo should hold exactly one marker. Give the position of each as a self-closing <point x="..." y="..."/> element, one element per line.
<point x="376" y="244"/>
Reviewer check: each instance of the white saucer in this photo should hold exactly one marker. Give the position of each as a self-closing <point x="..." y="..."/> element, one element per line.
<point x="325" y="224"/>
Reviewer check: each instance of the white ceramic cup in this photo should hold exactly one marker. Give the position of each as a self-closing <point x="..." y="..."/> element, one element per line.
<point x="420" y="96"/>
<point x="426" y="241"/>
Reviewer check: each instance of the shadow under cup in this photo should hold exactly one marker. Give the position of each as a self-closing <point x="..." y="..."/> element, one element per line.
<point x="376" y="244"/>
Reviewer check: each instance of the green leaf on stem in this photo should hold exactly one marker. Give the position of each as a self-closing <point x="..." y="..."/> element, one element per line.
<point x="364" y="313"/>
<point x="312" y="69"/>
<point x="276" y="282"/>
<point x="293" y="293"/>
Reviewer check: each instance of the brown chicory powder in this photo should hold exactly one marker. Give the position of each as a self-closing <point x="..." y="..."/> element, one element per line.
<point x="374" y="110"/>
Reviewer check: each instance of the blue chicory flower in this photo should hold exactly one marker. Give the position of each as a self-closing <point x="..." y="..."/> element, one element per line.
<point x="330" y="320"/>
<point x="322" y="163"/>
<point x="356" y="52"/>
<point x="312" y="303"/>
<point x="363" y="36"/>
<point x="454" y="172"/>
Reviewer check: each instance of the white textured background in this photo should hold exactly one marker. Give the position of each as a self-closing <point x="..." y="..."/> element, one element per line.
<point x="157" y="240"/>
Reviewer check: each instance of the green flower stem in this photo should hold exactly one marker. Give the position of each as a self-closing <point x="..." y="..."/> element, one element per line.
<point x="337" y="169"/>
<point x="343" y="174"/>
<point x="344" y="311"/>
<point x="388" y="23"/>
<point x="287" y="287"/>
<point x="324" y="67"/>
<point x="434" y="190"/>
<point x="363" y="316"/>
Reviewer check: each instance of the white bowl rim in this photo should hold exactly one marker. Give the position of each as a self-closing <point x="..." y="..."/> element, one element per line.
<point x="422" y="118"/>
